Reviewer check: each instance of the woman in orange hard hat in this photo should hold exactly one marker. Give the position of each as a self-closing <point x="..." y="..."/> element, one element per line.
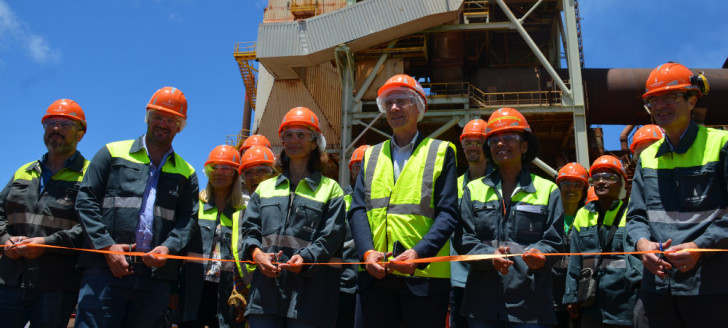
<point x="207" y="284"/>
<point x="510" y="211"/>
<point x="572" y="180"/>
<point x="292" y="221"/>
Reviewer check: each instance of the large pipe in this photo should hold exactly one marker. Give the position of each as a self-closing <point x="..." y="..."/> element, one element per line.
<point x="247" y="113"/>
<point x="614" y="96"/>
<point x="624" y="137"/>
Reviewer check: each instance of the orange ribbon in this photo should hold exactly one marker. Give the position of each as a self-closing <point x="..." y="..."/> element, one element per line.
<point x="453" y="258"/>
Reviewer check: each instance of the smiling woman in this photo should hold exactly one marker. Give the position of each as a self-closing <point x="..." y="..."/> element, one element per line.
<point x="510" y="210"/>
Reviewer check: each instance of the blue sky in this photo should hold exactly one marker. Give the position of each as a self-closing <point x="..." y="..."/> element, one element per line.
<point x="110" y="57"/>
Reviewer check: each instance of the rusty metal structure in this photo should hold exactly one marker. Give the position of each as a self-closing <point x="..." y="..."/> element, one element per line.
<point x="472" y="57"/>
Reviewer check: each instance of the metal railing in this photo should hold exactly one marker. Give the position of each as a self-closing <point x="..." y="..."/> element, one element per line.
<point x="483" y="99"/>
<point x="304" y="8"/>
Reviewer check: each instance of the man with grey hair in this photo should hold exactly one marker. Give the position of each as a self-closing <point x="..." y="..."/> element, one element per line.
<point x="404" y="207"/>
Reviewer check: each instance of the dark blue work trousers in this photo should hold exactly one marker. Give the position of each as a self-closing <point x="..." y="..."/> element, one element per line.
<point x="137" y="300"/>
<point x="41" y="308"/>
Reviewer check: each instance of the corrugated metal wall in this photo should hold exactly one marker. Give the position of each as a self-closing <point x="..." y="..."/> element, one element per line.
<point x="321" y="93"/>
<point x="390" y="68"/>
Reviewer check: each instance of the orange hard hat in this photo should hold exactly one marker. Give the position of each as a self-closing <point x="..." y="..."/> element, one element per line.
<point x="65" y="108"/>
<point x="591" y="195"/>
<point x="403" y="80"/>
<point x="474" y="128"/>
<point x="358" y="155"/>
<point x="673" y="77"/>
<point x="300" y="116"/>
<point x="649" y="132"/>
<point x="256" y="155"/>
<point x="610" y="162"/>
<point x="506" y="119"/>
<point x="254" y="140"/>
<point x="224" y="154"/>
<point x="575" y="171"/>
<point x="169" y="100"/>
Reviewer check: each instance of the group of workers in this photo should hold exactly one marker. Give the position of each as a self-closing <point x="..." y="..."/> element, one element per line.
<point x="269" y="239"/>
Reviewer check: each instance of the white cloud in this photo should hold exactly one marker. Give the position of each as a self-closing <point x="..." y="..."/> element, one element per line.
<point x="15" y="32"/>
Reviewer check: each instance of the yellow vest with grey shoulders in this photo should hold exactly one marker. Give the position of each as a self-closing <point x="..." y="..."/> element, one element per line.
<point x="404" y="210"/>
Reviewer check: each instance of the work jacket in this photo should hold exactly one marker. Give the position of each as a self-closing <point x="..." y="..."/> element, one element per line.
<point x="110" y="197"/>
<point x="530" y="221"/>
<point x="27" y="211"/>
<point x="618" y="276"/>
<point x="682" y="194"/>
<point x="419" y="210"/>
<point x="459" y="270"/>
<point x="201" y="246"/>
<point x="308" y="222"/>
<point x="348" y="272"/>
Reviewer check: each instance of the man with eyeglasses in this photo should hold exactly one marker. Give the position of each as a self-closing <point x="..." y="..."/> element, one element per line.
<point x="472" y="139"/>
<point x="678" y="202"/>
<point x="37" y="284"/>
<point x="404" y="207"/>
<point x="138" y="195"/>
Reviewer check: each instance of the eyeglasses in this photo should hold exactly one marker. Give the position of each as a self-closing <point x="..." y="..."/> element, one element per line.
<point x="222" y="169"/>
<point x="504" y="138"/>
<point x="566" y="184"/>
<point x="356" y="166"/>
<point x="472" y="143"/>
<point x="62" y="124"/>
<point x="300" y="135"/>
<point x="399" y="100"/>
<point x="166" y="120"/>
<point x="259" y="171"/>
<point x="608" y="177"/>
<point x="666" y="99"/>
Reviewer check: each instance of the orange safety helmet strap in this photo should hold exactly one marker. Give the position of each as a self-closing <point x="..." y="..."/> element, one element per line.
<point x="66" y="108"/>
<point x="256" y="155"/>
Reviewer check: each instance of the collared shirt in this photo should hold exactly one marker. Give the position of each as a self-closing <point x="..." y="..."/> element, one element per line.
<point x="400" y="155"/>
<point x="146" y="215"/>
<point x="45" y="171"/>
<point x="669" y="144"/>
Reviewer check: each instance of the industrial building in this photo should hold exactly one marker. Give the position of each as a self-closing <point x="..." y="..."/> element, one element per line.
<point x="471" y="56"/>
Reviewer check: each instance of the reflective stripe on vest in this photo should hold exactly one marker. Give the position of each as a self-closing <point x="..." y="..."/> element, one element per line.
<point x="404" y="211"/>
<point x="136" y="202"/>
<point x="41" y="220"/>
<point x="607" y="262"/>
<point x="237" y="244"/>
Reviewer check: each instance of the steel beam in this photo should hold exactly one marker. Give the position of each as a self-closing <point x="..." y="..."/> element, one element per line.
<point x="444" y="127"/>
<point x="345" y="65"/>
<point x="576" y="98"/>
<point x="536" y="51"/>
<point x="375" y="71"/>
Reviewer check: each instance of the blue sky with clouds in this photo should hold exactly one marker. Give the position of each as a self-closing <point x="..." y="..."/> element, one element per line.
<point x="110" y="56"/>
